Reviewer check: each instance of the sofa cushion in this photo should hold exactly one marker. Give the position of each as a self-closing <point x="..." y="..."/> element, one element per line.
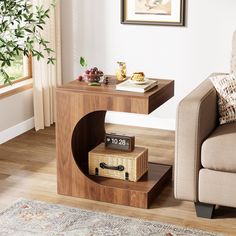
<point x="225" y="85"/>
<point x="219" y="150"/>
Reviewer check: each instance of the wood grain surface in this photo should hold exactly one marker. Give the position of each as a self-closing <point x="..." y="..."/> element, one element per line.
<point x="80" y="115"/>
<point x="105" y="97"/>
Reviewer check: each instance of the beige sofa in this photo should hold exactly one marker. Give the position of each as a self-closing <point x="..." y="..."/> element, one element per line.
<point x="205" y="158"/>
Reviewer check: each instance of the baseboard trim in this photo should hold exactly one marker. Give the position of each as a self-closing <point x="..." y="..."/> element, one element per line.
<point x="147" y="121"/>
<point x="16" y="130"/>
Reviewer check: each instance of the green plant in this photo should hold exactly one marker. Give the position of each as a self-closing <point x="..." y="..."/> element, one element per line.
<point x="21" y="25"/>
<point x="83" y="62"/>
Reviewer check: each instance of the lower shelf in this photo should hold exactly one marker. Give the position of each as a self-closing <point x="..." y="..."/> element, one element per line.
<point x="145" y="190"/>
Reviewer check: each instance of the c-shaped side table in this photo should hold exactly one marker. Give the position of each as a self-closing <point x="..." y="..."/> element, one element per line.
<point x="80" y="115"/>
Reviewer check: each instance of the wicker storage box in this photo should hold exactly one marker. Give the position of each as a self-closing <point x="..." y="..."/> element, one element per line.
<point x="118" y="164"/>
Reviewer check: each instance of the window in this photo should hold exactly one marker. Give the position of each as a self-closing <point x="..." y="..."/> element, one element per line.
<point x="21" y="69"/>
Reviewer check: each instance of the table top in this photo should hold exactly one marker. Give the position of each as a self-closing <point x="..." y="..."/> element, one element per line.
<point x="108" y="98"/>
<point x="83" y="87"/>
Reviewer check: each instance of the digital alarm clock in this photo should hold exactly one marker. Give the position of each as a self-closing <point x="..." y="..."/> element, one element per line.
<point x="119" y="142"/>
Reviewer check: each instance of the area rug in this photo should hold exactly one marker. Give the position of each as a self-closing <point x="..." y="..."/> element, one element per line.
<point x="26" y="218"/>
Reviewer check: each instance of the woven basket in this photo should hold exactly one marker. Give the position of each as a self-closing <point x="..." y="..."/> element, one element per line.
<point x="118" y="164"/>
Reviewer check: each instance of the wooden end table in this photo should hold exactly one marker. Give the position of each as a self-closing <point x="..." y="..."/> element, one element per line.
<point x="80" y="116"/>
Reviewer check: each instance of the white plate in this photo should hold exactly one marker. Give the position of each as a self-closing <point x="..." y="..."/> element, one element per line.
<point x="139" y="82"/>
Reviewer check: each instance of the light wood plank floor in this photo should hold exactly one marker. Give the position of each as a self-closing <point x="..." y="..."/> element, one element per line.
<point x="28" y="170"/>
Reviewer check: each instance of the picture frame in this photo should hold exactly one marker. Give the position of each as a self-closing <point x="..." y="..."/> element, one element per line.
<point x="153" y="12"/>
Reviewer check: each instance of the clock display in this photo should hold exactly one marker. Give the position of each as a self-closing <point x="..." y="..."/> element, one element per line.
<point x="120" y="142"/>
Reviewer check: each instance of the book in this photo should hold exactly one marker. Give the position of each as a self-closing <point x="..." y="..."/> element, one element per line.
<point x="142" y="87"/>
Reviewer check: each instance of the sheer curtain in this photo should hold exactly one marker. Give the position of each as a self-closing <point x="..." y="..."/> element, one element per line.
<point x="47" y="77"/>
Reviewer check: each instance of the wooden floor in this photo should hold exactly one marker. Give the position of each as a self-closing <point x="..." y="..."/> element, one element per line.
<point x="28" y="170"/>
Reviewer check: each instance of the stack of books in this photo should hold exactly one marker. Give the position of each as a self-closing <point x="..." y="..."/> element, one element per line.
<point x="139" y="87"/>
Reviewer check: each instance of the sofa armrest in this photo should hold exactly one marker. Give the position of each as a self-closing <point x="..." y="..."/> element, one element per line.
<point x="196" y="119"/>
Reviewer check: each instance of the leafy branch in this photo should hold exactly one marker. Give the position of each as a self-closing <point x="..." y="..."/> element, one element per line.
<point x="83" y="62"/>
<point x="21" y="25"/>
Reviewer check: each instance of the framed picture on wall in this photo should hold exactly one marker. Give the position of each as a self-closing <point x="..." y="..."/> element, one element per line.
<point x="153" y="12"/>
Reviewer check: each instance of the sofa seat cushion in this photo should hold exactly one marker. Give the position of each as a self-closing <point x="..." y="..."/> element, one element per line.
<point x="219" y="150"/>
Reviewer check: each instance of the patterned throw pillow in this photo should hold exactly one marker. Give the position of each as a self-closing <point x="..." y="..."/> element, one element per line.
<point x="225" y="85"/>
<point x="233" y="58"/>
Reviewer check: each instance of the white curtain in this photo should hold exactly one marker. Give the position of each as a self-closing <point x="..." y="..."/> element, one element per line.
<point x="47" y="77"/>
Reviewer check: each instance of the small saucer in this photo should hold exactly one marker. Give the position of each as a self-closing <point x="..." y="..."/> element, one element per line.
<point x="139" y="82"/>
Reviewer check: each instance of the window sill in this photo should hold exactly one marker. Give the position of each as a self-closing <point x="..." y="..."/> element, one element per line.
<point x="16" y="88"/>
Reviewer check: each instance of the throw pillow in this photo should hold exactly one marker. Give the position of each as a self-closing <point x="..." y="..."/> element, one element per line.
<point x="225" y="85"/>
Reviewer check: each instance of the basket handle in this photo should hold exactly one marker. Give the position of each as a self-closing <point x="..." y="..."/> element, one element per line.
<point x="103" y="165"/>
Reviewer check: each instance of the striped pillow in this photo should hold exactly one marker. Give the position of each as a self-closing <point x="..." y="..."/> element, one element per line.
<point x="225" y="85"/>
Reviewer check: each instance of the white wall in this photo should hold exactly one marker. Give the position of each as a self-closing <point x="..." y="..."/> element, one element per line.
<point x="16" y="115"/>
<point x="186" y="54"/>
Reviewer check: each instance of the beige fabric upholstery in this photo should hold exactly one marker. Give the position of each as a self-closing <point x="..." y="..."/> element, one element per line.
<point x="217" y="187"/>
<point x="233" y="59"/>
<point x="196" y="119"/>
<point x="219" y="150"/>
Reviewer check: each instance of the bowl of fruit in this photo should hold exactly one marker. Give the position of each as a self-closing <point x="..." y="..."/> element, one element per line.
<point x="93" y="75"/>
